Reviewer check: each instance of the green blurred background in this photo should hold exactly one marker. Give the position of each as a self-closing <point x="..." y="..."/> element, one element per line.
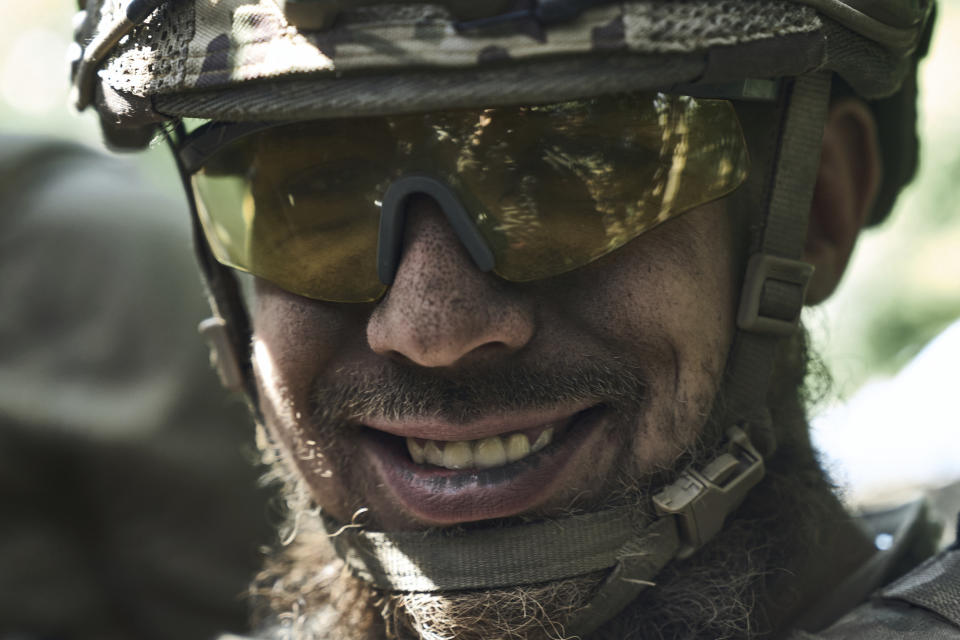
<point x="34" y="37"/>
<point x="903" y="287"/>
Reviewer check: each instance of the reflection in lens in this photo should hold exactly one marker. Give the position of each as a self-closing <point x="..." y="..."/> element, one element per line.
<point x="551" y="187"/>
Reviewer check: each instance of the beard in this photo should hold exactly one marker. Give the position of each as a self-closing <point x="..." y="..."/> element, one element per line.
<point x="725" y="590"/>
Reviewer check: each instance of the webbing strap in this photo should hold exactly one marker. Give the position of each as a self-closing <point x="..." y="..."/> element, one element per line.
<point x="782" y="240"/>
<point x="640" y="560"/>
<point x="691" y="510"/>
<point x="490" y="558"/>
<point x="797" y="164"/>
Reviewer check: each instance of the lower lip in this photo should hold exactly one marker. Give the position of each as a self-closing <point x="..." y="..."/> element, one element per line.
<point x="441" y="497"/>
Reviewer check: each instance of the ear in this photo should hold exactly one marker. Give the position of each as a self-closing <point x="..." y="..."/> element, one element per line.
<point x="847" y="185"/>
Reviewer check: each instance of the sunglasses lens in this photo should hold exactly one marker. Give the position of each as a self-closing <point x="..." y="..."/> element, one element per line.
<point x="299" y="210"/>
<point x="579" y="180"/>
<point x="551" y="188"/>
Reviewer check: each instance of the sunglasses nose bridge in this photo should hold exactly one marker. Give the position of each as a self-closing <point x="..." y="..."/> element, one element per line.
<point x="393" y="217"/>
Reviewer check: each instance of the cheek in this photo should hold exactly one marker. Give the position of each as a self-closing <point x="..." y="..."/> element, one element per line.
<point x="296" y="341"/>
<point x="300" y="339"/>
<point x="674" y="283"/>
<point x="667" y="300"/>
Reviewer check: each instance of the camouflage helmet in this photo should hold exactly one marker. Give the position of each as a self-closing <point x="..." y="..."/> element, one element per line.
<point x="148" y="61"/>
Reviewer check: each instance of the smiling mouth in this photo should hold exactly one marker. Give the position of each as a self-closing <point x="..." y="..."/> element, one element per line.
<point x="497" y="467"/>
<point x="488" y="452"/>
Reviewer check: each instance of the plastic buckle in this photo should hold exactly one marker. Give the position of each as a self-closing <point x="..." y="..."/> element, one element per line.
<point x="702" y="500"/>
<point x="762" y="268"/>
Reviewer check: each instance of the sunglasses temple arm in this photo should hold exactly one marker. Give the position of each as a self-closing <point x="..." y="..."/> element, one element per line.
<point x="229" y="341"/>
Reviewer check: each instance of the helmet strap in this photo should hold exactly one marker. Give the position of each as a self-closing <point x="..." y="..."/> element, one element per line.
<point x="775" y="281"/>
<point x="634" y="543"/>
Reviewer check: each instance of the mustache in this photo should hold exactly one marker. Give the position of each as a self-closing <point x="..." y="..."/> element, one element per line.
<point x="405" y="391"/>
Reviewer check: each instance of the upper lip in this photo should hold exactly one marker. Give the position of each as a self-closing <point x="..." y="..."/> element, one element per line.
<point x="433" y="428"/>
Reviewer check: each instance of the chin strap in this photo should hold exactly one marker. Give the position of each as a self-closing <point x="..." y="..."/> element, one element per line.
<point x="691" y="511"/>
<point x="636" y="546"/>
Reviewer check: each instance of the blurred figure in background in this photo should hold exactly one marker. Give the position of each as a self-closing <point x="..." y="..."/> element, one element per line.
<point x="128" y="500"/>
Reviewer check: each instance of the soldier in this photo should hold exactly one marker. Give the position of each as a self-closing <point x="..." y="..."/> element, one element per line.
<point x="522" y="328"/>
<point x="119" y="456"/>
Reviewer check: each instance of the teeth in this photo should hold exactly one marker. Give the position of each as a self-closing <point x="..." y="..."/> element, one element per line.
<point x="543" y="439"/>
<point x="416" y="451"/>
<point x="433" y="454"/>
<point x="490" y="452"/>
<point x="477" y="454"/>
<point x="457" y="455"/>
<point x="518" y="446"/>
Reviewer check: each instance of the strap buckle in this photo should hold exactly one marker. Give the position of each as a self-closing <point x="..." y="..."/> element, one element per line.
<point x="773" y="281"/>
<point x="702" y="499"/>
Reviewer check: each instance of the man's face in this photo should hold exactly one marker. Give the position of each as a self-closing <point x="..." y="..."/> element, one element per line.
<point x="614" y="366"/>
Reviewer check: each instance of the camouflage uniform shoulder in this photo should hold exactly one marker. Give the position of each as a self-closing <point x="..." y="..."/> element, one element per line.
<point x="924" y="603"/>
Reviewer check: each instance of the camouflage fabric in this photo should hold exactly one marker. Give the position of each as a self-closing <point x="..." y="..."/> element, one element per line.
<point x="237" y="41"/>
<point x="244" y="60"/>
<point x="923" y="604"/>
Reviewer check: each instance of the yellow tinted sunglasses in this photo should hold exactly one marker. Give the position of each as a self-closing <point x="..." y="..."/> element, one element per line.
<point x="318" y="207"/>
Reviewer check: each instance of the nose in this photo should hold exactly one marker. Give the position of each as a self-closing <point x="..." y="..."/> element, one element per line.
<point x="441" y="311"/>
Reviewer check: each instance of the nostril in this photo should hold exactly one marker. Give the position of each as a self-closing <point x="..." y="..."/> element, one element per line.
<point x="490" y="350"/>
<point x="436" y="333"/>
<point x="398" y="357"/>
<point x="438" y="359"/>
